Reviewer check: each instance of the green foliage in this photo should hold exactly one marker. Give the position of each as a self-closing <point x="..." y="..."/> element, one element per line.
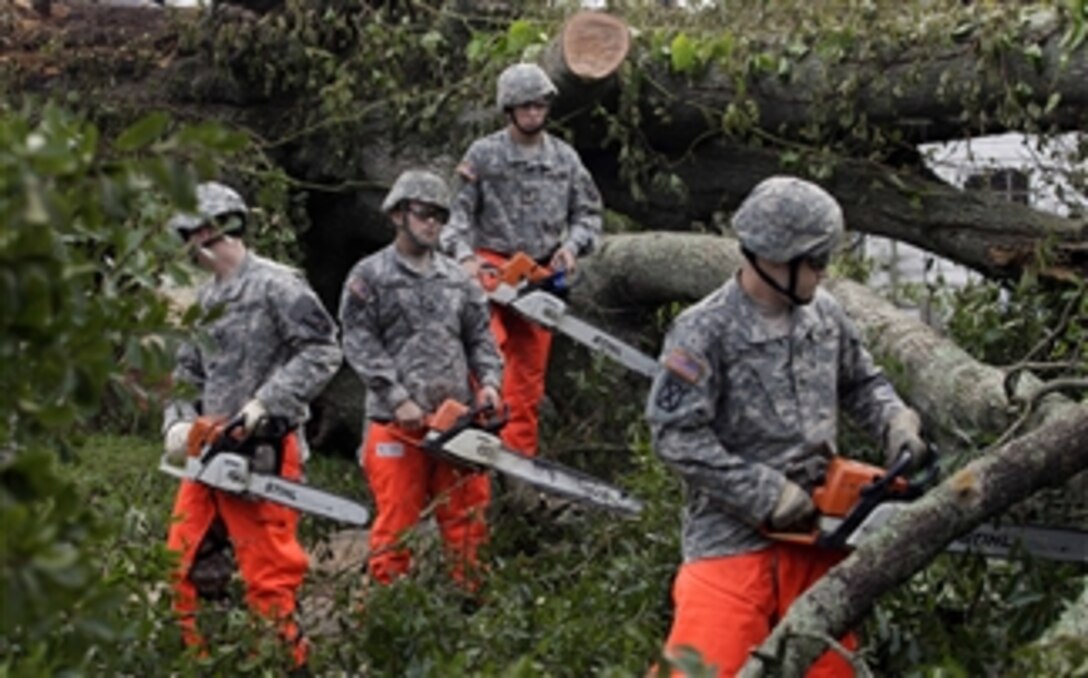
<point x="967" y="615"/>
<point x="1031" y="321"/>
<point x="83" y="252"/>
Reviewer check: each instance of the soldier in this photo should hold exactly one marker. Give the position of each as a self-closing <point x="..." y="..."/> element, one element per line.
<point x="523" y="190"/>
<point x="416" y="332"/>
<point x="272" y="349"/>
<point x="745" y="412"/>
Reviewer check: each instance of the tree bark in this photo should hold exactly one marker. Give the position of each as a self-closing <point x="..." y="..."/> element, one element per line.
<point x="1043" y="458"/>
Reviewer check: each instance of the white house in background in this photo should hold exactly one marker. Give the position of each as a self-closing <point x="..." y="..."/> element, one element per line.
<point x="1017" y="166"/>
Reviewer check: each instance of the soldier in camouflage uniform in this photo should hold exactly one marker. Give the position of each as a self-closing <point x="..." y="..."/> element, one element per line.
<point x="745" y="411"/>
<point x="523" y="190"/>
<point x="266" y="356"/>
<point x="416" y="332"/>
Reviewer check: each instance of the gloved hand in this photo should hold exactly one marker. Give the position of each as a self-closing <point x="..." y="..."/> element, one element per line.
<point x="251" y="413"/>
<point x="794" y="508"/>
<point x="409" y="415"/>
<point x="489" y="396"/>
<point x="176" y="442"/>
<point x="905" y="432"/>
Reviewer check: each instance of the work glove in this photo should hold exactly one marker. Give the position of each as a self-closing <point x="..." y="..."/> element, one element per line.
<point x="794" y="508"/>
<point x="409" y="416"/>
<point x="250" y="414"/>
<point x="176" y="442"/>
<point x="905" y="432"/>
<point x="488" y="396"/>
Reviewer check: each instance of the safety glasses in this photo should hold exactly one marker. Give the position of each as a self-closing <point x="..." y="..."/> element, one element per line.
<point x="539" y="104"/>
<point x="425" y="212"/>
<point x="819" y="261"/>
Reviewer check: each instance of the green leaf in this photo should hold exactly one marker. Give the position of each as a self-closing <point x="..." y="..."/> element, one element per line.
<point x="682" y="54"/>
<point x="143" y="132"/>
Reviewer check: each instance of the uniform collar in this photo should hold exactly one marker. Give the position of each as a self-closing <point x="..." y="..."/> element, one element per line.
<point x="514" y="154"/>
<point x="758" y="327"/>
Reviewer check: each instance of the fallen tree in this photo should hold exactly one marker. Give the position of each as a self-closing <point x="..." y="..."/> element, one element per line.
<point x="979" y="491"/>
<point x="677" y="122"/>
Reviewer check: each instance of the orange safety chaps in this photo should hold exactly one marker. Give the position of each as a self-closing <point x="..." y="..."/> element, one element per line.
<point x="726" y="607"/>
<point x="404" y="480"/>
<point x="270" y="559"/>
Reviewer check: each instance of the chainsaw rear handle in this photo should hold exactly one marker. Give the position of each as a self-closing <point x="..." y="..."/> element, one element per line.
<point x="453" y="417"/>
<point x="520" y="269"/>
<point x="901" y="467"/>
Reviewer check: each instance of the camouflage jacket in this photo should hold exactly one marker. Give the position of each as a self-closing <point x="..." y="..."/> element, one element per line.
<point x="743" y="403"/>
<point x="523" y="202"/>
<point x="418" y="335"/>
<point x="274" y="341"/>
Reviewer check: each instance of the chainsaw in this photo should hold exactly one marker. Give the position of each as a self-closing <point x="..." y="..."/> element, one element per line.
<point x="856" y="499"/>
<point x="533" y="291"/>
<point x="220" y="456"/>
<point x="467" y="437"/>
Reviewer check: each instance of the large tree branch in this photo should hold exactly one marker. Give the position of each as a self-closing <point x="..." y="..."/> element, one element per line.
<point x="948" y="81"/>
<point x="993" y="236"/>
<point x="1047" y="457"/>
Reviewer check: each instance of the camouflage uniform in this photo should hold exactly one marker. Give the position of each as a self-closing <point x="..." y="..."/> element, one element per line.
<point x="531" y="198"/>
<point x="746" y="402"/>
<point x="416" y="335"/>
<point x="424" y="336"/>
<point x="273" y="342"/>
<point x="524" y="201"/>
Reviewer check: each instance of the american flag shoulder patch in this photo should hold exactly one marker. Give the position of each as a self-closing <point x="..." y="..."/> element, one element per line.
<point x="684" y="365"/>
<point x="359" y="288"/>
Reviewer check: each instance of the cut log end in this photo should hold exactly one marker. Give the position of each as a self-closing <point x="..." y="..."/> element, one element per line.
<point x="594" y="44"/>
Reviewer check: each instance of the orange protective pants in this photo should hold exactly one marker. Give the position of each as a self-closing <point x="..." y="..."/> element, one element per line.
<point x="525" y="347"/>
<point x="404" y="480"/>
<point x="271" y="561"/>
<point x="726" y="607"/>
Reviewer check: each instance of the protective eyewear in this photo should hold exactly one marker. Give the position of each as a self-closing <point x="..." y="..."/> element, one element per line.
<point x="819" y="261"/>
<point x="540" y="104"/>
<point x="425" y="212"/>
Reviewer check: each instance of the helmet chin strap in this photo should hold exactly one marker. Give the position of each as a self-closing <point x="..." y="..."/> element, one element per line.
<point x="788" y="292"/>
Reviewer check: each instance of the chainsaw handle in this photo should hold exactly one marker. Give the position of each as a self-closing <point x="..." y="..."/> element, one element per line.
<point x="901" y="467"/>
<point x="227" y="437"/>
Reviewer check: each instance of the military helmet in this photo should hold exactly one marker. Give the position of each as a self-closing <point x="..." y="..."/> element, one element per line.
<point x="784" y="218"/>
<point x="215" y="202"/>
<point x="418" y="185"/>
<point x="521" y="83"/>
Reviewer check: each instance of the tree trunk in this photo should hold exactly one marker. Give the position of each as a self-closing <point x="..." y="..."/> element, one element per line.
<point x="1043" y="458"/>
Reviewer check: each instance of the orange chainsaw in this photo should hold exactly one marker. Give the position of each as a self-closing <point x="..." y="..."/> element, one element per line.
<point x="467" y="436"/>
<point x="856" y="499"/>
<point x="534" y="291"/>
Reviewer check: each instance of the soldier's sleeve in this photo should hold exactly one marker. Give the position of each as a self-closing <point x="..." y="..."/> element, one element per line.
<point x="188" y="376"/>
<point x="456" y="237"/>
<point x="864" y="390"/>
<point x="483" y="353"/>
<point x="363" y="348"/>
<point x="681" y="410"/>
<point x="584" y="214"/>
<point x="310" y="334"/>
